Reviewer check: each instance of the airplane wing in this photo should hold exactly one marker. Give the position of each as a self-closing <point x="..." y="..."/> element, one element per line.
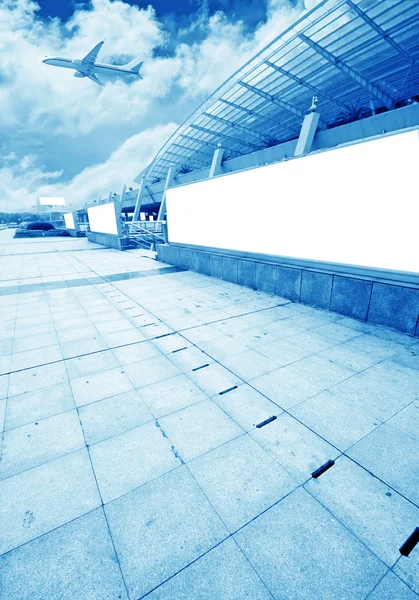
<point x="90" y="58"/>
<point x="93" y="77"/>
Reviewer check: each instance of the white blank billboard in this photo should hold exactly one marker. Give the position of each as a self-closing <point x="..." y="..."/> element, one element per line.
<point x="51" y="201"/>
<point x="355" y="205"/>
<point x="102" y="218"/>
<point x="69" y="221"/>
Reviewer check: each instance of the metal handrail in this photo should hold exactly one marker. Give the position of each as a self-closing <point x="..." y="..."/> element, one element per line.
<point x="156" y="230"/>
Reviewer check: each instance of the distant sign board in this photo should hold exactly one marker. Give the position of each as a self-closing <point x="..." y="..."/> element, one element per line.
<point x="69" y="221"/>
<point x="51" y="201"/>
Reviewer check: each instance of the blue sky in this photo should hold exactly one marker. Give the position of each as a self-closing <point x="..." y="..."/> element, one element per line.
<point x="65" y="136"/>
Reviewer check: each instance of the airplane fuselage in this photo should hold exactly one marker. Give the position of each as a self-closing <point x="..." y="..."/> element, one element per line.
<point x="97" y="68"/>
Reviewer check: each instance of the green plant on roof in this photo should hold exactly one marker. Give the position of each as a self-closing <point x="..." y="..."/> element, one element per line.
<point x="353" y="111"/>
<point x="184" y="169"/>
<point x="269" y="141"/>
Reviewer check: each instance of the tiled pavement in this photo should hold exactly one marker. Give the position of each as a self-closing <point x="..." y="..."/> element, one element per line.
<point x="131" y="461"/>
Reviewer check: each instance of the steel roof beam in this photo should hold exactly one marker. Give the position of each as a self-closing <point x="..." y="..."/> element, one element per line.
<point x="304" y="83"/>
<point x="342" y="66"/>
<point x="234" y="125"/>
<point x="185" y="158"/>
<point x="281" y="103"/>
<point x="253" y="113"/>
<point x="195" y="150"/>
<point x="385" y="36"/>
<point x="209" y="145"/>
<point x="224" y="135"/>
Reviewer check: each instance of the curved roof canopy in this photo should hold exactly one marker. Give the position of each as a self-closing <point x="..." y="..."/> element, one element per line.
<point x="357" y="56"/>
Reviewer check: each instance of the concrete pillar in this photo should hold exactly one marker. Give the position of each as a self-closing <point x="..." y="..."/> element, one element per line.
<point x="121" y="199"/>
<point x="139" y="201"/>
<point x="307" y="133"/>
<point x="216" y="161"/>
<point x="169" y="180"/>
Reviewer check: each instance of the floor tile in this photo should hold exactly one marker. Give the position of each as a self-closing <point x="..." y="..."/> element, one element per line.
<point x="387" y="452"/>
<point x="32" y="358"/>
<point x="90" y="363"/>
<point x="127" y="461"/>
<point x="349" y="357"/>
<point x="71" y="335"/>
<point x="161" y="528"/>
<point x="392" y="588"/>
<point x="2" y="414"/>
<point x="297" y="449"/>
<point x="189" y="358"/>
<point x="338" y="421"/>
<point x="396" y="376"/>
<point x="250" y="364"/>
<point x="377" y="348"/>
<point x="135" y="352"/>
<point x="78" y="563"/>
<point x="80" y="347"/>
<point x="337" y="566"/>
<point x="37" y="378"/>
<point x="104" y="419"/>
<point x="285" y="388"/>
<point x="241" y="480"/>
<point x="337" y="332"/>
<point x="246" y="406"/>
<point x="39" y="404"/>
<point x="170" y="343"/>
<point x="321" y="371"/>
<point x="31" y="445"/>
<point x="121" y="338"/>
<point x="223" y="347"/>
<point x="98" y="386"/>
<point x="407" y="568"/>
<point x="223" y="573"/>
<point x="376" y="514"/>
<point x="214" y="379"/>
<point x="4" y="383"/>
<point x="369" y="394"/>
<point x="198" y="429"/>
<point x="310" y="340"/>
<point x="152" y="370"/>
<point x="39" y="500"/>
<point x="171" y="394"/>
<point x="283" y="351"/>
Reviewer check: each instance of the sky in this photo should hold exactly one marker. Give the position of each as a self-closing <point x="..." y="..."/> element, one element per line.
<point x="62" y="136"/>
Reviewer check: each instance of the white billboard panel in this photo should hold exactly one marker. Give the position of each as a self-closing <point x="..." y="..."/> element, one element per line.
<point x="102" y="218"/>
<point x="51" y="201"/>
<point x="69" y="221"/>
<point x="354" y="205"/>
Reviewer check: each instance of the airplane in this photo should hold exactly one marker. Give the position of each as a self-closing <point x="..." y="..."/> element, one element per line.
<point x="88" y="67"/>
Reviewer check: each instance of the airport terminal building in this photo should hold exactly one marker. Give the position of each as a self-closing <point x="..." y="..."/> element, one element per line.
<point x="297" y="175"/>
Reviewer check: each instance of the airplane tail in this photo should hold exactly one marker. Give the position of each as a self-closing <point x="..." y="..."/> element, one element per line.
<point x="135" y="66"/>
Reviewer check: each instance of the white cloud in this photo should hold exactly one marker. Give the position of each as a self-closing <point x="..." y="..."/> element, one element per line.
<point x="121" y="168"/>
<point x="54" y="124"/>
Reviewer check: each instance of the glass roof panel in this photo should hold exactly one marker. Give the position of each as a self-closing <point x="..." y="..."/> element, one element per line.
<point x="358" y="61"/>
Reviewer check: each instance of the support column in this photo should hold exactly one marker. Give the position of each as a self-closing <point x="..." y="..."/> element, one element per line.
<point x="139" y="200"/>
<point x="121" y="199"/>
<point x="169" y="180"/>
<point x="307" y="133"/>
<point x="216" y="161"/>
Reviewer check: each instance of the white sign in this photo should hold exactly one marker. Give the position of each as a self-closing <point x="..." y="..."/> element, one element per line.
<point x="51" y="201"/>
<point x="102" y="218"/>
<point x="69" y="221"/>
<point x="355" y="205"/>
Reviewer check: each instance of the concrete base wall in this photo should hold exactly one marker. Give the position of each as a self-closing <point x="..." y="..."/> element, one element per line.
<point x="371" y="299"/>
<point x="108" y="240"/>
